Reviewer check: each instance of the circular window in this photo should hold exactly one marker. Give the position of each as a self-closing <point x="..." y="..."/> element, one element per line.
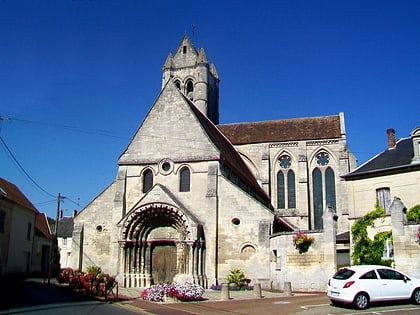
<point x="323" y="159"/>
<point x="285" y="161"/>
<point x="99" y="228"/>
<point x="166" y="166"/>
<point x="236" y="221"/>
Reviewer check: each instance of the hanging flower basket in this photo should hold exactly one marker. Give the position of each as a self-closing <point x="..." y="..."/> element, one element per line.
<point x="302" y="241"/>
<point x="418" y="235"/>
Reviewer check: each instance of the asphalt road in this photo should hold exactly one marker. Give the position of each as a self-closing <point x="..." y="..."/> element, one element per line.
<point x="34" y="297"/>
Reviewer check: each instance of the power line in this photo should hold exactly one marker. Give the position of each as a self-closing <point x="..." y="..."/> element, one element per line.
<point x="98" y="132"/>
<point x="20" y="167"/>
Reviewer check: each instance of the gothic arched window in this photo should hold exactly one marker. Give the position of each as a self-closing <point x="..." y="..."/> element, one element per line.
<point x="147" y="181"/>
<point x="317" y="198"/>
<point x="286" y="191"/>
<point x="323" y="188"/>
<point x="291" y="191"/>
<point x="330" y="188"/>
<point x="281" y="203"/>
<point x="184" y="179"/>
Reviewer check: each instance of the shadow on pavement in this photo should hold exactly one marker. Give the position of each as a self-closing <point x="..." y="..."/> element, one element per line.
<point x="26" y="293"/>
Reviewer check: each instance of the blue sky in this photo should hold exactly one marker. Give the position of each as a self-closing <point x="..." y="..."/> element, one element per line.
<point x="78" y="76"/>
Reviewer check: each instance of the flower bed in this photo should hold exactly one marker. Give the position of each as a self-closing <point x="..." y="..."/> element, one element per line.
<point x="93" y="284"/>
<point x="178" y="291"/>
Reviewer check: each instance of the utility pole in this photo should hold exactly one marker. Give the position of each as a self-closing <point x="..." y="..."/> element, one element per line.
<point x="54" y="244"/>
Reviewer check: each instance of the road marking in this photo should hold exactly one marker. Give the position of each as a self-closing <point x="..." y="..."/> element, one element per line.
<point x="281" y="302"/>
<point x="305" y="307"/>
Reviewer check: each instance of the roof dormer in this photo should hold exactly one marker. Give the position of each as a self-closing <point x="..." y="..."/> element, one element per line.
<point x="415" y="138"/>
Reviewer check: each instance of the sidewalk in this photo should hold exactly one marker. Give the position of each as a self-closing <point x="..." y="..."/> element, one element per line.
<point x="240" y="302"/>
<point x="209" y="295"/>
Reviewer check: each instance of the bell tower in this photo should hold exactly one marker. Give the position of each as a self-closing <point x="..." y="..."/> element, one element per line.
<point x="195" y="77"/>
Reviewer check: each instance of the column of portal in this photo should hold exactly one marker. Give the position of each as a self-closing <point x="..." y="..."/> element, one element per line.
<point x="147" y="265"/>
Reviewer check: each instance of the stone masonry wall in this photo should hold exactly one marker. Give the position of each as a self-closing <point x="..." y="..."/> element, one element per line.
<point x="310" y="271"/>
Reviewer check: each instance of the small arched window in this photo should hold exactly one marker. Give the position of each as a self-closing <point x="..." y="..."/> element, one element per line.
<point x="147" y="181"/>
<point x="190" y="90"/>
<point x="184" y="179"/>
<point x="178" y="85"/>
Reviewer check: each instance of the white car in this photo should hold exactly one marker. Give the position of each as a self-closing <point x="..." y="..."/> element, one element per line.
<point x="361" y="285"/>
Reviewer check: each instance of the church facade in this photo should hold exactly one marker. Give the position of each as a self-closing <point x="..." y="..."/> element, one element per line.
<point x="194" y="199"/>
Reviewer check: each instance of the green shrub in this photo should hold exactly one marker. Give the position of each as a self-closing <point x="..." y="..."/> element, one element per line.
<point x="365" y="250"/>
<point x="413" y="214"/>
<point x="236" y="277"/>
<point x="93" y="270"/>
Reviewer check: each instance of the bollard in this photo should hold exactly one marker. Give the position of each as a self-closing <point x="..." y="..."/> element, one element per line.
<point x="257" y="291"/>
<point x="225" y="292"/>
<point x="287" y="288"/>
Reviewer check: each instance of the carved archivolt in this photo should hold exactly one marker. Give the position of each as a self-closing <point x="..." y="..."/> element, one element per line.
<point x="140" y="222"/>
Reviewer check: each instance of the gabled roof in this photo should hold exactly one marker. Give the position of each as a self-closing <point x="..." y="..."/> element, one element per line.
<point x="65" y="227"/>
<point x="388" y="161"/>
<point x="229" y="155"/>
<point x="42" y="225"/>
<point x="295" y="129"/>
<point x="11" y="192"/>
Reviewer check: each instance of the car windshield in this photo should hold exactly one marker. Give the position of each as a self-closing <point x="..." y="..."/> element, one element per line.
<point x="343" y="274"/>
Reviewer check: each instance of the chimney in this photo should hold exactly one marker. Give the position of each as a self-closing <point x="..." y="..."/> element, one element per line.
<point x="74" y="213"/>
<point x="391" y="138"/>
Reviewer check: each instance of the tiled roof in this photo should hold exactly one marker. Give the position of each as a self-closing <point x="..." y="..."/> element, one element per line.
<point x="229" y="155"/>
<point x="388" y="161"/>
<point x="42" y="225"/>
<point x="12" y="192"/>
<point x="65" y="227"/>
<point x="311" y="128"/>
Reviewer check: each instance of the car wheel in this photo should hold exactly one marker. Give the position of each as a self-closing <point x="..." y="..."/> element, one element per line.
<point x="361" y="301"/>
<point x="416" y="296"/>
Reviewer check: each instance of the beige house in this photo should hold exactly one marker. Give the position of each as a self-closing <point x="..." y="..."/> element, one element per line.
<point x="393" y="172"/>
<point x="25" y="238"/>
<point x="193" y="199"/>
<point x="393" y="178"/>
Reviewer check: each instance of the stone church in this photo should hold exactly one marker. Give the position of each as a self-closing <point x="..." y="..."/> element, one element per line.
<point x="193" y="199"/>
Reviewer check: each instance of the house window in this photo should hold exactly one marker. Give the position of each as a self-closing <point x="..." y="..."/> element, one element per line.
<point x="2" y="220"/>
<point x="64" y="241"/>
<point x="29" y="231"/>
<point x="147" y="181"/>
<point x="388" y="252"/>
<point x="184" y="179"/>
<point x="384" y="198"/>
<point x="286" y="190"/>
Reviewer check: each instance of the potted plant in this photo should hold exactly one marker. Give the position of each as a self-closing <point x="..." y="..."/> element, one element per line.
<point x="302" y="241"/>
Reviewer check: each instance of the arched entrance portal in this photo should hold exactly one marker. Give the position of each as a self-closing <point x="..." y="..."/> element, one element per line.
<point x="158" y="242"/>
